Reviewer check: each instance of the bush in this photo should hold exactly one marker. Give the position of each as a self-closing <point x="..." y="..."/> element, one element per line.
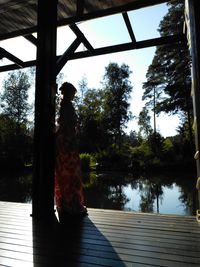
<point x="113" y="160"/>
<point x="86" y="161"/>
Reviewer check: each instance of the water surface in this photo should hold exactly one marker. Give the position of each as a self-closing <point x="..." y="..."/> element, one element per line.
<point x="158" y="193"/>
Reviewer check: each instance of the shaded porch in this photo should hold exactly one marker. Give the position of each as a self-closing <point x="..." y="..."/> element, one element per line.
<point x="104" y="238"/>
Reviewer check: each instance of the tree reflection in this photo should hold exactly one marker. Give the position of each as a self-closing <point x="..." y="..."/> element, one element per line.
<point x="115" y="190"/>
<point x="107" y="191"/>
<point x="188" y="194"/>
<point x="150" y="190"/>
<point x="16" y="187"/>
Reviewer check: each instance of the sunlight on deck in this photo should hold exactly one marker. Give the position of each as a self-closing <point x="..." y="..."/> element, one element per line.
<point x="104" y="238"/>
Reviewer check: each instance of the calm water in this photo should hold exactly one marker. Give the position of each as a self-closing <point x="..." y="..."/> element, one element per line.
<point x="164" y="194"/>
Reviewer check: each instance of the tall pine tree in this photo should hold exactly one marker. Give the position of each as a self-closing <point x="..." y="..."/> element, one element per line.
<point x="169" y="76"/>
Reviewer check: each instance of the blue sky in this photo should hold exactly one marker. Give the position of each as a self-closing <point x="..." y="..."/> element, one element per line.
<point x="107" y="31"/>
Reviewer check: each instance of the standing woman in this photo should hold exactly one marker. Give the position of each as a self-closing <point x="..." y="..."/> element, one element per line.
<point x="68" y="178"/>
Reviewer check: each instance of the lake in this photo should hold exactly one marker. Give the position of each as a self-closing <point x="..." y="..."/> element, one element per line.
<point x="155" y="193"/>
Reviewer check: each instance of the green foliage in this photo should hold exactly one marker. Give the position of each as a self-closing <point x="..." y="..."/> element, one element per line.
<point x="144" y="122"/>
<point x="141" y="153"/>
<point x="168" y="82"/>
<point x="83" y="85"/>
<point x="117" y="93"/>
<point x="155" y="141"/>
<point x="87" y="161"/>
<point x="15" y="97"/>
<point x="15" y="141"/>
<point x="168" y="85"/>
<point x="144" y="158"/>
<point x="113" y="159"/>
<point x="15" y="149"/>
<point x="131" y="139"/>
<point x="167" y="144"/>
<point x="168" y="153"/>
<point x="92" y="134"/>
<point x="149" y="153"/>
<point x="89" y="179"/>
<point x="103" y="113"/>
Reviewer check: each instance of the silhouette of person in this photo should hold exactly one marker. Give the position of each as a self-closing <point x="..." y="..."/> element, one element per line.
<point x="68" y="177"/>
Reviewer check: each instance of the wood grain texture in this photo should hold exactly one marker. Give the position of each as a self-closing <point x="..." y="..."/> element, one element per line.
<point x="104" y="238"/>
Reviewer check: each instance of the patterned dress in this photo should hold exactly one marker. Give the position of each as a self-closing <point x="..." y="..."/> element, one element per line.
<point x="68" y="178"/>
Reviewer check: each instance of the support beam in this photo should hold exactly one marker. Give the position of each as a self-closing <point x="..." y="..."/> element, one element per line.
<point x="129" y="27"/>
<point x="62" y="60"/>
<point x="79" y="8"/>
<point x="31" y="39"/>
<point x="82" y="38"/>
<point x="11" y="57"/>
<point x="44" y="134"/>
<point x="168" y="40"/>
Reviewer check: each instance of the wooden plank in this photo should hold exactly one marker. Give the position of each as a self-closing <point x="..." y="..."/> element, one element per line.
<point x="104" y="238"/>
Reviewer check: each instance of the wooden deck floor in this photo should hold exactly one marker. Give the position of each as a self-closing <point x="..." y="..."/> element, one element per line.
<point x="105" y="238"/>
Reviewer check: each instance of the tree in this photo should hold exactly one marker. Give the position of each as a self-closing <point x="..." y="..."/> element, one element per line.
<point x="15" y="98"/>
<point x="132" y="138"/>
<point x="117" y="89"/>
<point x="15" y="140"/>
<point x="144" y="123"/>
<point x="169" y="77"/>
<point x="83" y="86"/>
<point x="91" y="132"/>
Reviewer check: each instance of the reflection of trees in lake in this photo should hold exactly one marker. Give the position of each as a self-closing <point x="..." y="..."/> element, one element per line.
<point x="107" y="191"/>
<point x="188" y="192"/>
<point x="150" y="190"/>
<point x="117" y="197"/>
<point x="15" y="187"/>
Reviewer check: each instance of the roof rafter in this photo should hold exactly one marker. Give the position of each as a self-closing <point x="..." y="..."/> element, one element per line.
<point x="31" y="39"/>
<point x="62" y="60"/>
<point x="82" y="37"/>
<point x="79" y="16"/>
<point x="129" y="27"/>
<point x="137" y="4"/>
<point x="11" y="57"/>
<point x="169" y="40"/>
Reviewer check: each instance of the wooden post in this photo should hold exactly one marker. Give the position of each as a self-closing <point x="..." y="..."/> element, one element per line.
<point x="44" y="134"/>
<point x="192" y="14"/>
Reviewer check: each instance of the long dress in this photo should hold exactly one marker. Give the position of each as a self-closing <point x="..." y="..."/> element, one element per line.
<point x="68" y="177"/>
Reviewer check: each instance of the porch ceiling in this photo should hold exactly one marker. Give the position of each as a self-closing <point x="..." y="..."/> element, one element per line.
<point x="19" y="18"/>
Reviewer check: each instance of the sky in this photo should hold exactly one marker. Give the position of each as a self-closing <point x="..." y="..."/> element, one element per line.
<point x="107" y="31"/>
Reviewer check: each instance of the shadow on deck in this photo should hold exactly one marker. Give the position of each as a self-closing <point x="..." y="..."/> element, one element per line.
<point x="72" y="244"/>
<point x="104" y="238"/>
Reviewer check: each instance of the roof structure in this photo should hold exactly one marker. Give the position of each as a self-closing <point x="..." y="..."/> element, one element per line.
<point x="19" y="18"/>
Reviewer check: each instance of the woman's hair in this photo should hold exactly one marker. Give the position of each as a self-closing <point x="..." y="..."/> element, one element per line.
<point x="67" y="89"/>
